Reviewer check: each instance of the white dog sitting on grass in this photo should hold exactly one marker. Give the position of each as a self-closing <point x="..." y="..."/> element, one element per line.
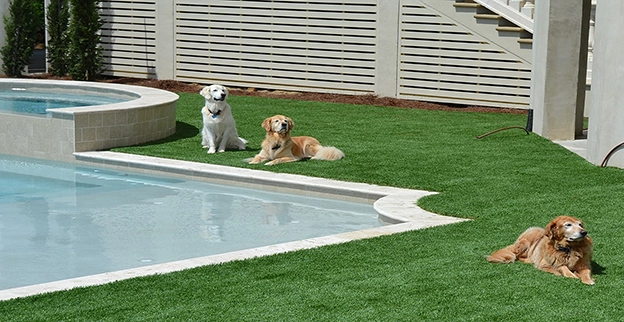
<point x="219" y="132"/>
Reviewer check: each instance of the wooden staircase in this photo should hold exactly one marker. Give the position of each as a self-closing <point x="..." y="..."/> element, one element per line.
<point x="503" y="26"/>
<point x="507" y="28"/>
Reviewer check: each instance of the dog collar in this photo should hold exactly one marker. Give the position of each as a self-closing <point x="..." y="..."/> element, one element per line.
<point x="214" y="115"/>
<point x="277" y="146"/>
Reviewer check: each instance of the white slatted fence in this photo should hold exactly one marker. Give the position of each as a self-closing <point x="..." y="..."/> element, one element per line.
<point x="295" y="45"/>
<point x="128" y="37"/>
<point x="442" y="61"/>
<point x="319" y="45"/>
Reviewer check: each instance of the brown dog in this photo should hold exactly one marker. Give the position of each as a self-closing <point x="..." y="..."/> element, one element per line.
<point x="279" y="147"/>
<point x="563" y="248"/>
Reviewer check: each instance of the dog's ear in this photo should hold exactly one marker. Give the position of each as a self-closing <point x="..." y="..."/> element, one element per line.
<point x="552" y="230"/>
<point x="266" y="124"/>
<point x="205" y="92"/>
<point x="291" y="124"/>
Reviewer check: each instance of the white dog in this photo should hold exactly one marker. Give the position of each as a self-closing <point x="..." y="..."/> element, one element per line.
<point x="219" y="132"/>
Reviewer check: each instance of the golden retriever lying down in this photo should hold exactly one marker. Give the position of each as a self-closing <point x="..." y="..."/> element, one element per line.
<point x="279" y="147"/>
<point x="563" y="248"/>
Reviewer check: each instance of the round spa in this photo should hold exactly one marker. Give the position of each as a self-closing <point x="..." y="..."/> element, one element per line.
<point x="98" y="116"/>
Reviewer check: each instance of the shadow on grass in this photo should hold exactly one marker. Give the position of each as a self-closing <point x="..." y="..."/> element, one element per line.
<point x="597" y="269"/>
<point x="183" y="131"/>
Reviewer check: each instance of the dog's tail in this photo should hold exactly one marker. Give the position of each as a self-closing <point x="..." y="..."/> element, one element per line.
<point x="328" y="153"/>
<point x="519" y="249"/>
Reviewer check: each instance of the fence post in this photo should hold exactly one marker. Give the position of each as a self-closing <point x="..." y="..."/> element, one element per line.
<point x="387" y="51"/>
<point x="165" y="41"/>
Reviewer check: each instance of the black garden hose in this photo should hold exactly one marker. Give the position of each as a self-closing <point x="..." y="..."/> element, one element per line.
<point x="528" y="128"/>
<point x="604" y="162"/>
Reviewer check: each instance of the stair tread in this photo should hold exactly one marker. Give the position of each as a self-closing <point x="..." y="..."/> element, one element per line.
<point x="466" y="5"/>
<point x="486" y="16"/>
<point x="510" y="28"/>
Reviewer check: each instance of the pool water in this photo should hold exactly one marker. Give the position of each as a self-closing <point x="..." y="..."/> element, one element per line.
<point x="60" y="220"/>
<point x="21" y="100"/>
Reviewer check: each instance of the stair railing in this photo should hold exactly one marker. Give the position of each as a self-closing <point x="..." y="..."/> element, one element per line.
<point x="519" y="12"/>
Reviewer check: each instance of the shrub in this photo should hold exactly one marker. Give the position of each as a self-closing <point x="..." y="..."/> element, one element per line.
<point x="58" y="36"/>
<point x="22" y="26"/>
<point x="85" y="51"/>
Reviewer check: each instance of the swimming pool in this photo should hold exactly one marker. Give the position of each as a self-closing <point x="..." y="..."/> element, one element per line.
<point x="24" y="100"/>
<point x="60" y="221"/>
<point x="394" y="205"/>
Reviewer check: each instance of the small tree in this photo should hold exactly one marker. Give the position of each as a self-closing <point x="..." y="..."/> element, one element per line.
<point x="85" y="51"/>
<point x="21" y="36"/>
<point x="58" y="36"/>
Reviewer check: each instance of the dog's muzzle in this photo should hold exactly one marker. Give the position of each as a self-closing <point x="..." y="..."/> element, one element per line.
<point x="219" y="98"/>
<point x="580" y="236"/>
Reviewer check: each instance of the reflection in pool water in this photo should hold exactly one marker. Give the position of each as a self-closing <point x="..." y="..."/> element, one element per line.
<point x="59" y="221"/>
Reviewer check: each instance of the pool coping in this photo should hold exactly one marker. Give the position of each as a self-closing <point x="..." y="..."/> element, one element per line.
<point x="135" y="96"/>
<point x="396" y="206"/>
<point x="147" y="115"/>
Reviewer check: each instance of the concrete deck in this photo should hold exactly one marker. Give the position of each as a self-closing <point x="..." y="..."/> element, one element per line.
<point x="577" y="146"/>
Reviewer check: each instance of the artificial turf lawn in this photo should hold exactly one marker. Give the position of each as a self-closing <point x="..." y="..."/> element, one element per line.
<point x="504" y="182"/>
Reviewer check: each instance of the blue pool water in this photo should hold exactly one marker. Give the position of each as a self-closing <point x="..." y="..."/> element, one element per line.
<point x="60" y="220"/>
<point x="21" y="100"/>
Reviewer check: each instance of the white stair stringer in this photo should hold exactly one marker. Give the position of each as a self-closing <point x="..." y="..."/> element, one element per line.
<point x="509" y="13"/>
<point x="483" y="22"/>
<point x="446" y="55"/>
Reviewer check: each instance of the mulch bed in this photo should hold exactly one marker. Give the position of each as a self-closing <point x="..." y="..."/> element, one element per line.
<point x="367" y="99"/>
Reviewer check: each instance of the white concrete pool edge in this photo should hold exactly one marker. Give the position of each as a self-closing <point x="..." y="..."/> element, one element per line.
<point x="393" y="204"/>
<point x="149" y="114"/>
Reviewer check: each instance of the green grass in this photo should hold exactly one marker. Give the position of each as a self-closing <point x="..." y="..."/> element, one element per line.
<point x="505" y="182"/>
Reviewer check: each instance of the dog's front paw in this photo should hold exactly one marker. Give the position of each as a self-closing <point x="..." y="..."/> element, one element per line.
<point x="587" y="280"/>
<point x="221" y="150"/>
<point x="211" y="150"/>
<point x="253" y="160"/>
